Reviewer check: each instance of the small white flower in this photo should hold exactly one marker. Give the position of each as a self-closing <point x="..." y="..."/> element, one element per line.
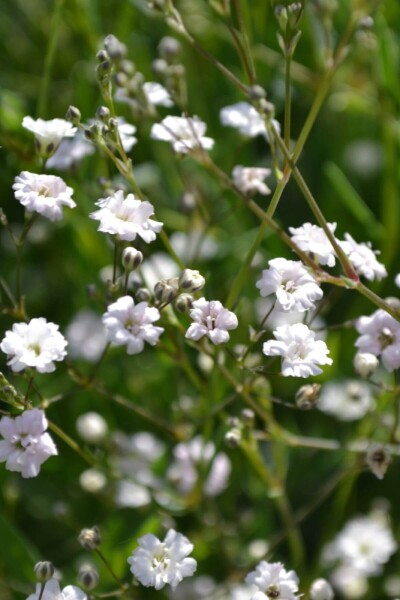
<point x="132" y="325"/>
<point x="363" y="259"/>
<point x="349" y="582"/>
<point x="126" y="133"/>
<point x="250" y="180"/>
<point x="365" y="544"/>
<point x="48" y="134"/>
<point x="155" y="563"/>
<point x="347" y="401"/>
<point x="126" y="217"/>
<point x="293" y="284"/>
<point x="244" y="117"/>
<point x="52" y="591"/>
<point x="44" y="194"/>
<point x="92" y="427"/>
<point x="321" y="590"/>
<point x="312" y="239"/>
<point x="211" y="319"/>
<point x="35" y="344"/>
<point x="380" y="336"/>
<point x="365" y="364"/>
<point x="70" y="152"/>
<point x="157" y="94"/>
<point x="300" y="351"/>
<point x="26" y="446"/>
<point x="183" y="133"/>
<point x="273" y="581"/>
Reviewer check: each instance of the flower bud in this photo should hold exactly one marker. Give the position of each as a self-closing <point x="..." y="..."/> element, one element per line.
<point x="184" y="303"/>
<point x="257" y="92"/>
<point x="44" y="570"/>
<point x="3" y="218"/>
<point x="232" y="438"/>
<point x="169" y="48"/>
<point x="103" y="113"/>
<point x="115" y="49"/>
<point x="166" y="290"/>
<point x="365" y="364"/>
<point x="142" y="295"/>
<point x="247" y="417"/>
<point x="92" y="427"/>
<point x="321" y="590"/>
<point x="73" y="115"/>
<point x="191" y="281"/>
<point x="102" y="56"/>
<point x="131" y="258"/>
<point x="159" y="66"/>
<point x="90" y="538"/>
<point x="307" y="396"/>
<point x="88" y="576"/>
<point x="378" y="460"/>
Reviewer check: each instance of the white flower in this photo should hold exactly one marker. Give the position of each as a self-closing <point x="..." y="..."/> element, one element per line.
<point x="126" y="133"/>
<point x="312" y="239"/>
<point x="321" y="590"/>
<point x="157" y="94"/>
<point x="300" y="350"/>
<point x="52" y="591"/>
<point x="199" y="455"/>
<point x="273" y="581"/>
<point x="365" y="544"/>
<point x="157" y="563"/>
<point x="70" y="152"/>
<point x="92" y="427"/>
<point x="349" y="582"/>
<point x="294" y="286"/>
<point x="131" y="325"/>
<point x="92" y="481"/>
<point x="35" y="344"/>
<point x="380" y="336"/>
<point x="26" y="446"/>
<point x="250" y="180"/>
<point x="126" y="217"/>
<point x="347" y="401"/>
<point x="244" y="117"/>
<point x="131" y="495"/>
<point x="183" y="133"/>
<point x="44" y="194"/>
<point x="211" y="319"/>
<point x="86" y="336"/>
<point x="48" y="134"/>
<point x="365" y="364"/>
<point x="363" y="259"/>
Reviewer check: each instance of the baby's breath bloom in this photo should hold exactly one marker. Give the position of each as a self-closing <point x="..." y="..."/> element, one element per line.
<point x="346" y="400"/>
<point x="157" y="94"/>
<point x="363" y="259"/>
<point x="211" y="319"/>
<point x="293" y="284"/>
<point x="48" y="134"/>
<point x="131" y="325"/>
<point x="155" y="563"/>
<point x="126" y="217"/>
<point x="273" y="581"/>
<point x="26" y="445"/>
<point x="52" y="591"/>
<point x="313" y="240"/>
<point x="300" y="351"/>
<point x="380" y="336"/>
<point x="44" y="194"/>
<point x="36" y="344"/>
<point x="70" y="152"/>
<point x="246" y="119"/>
<point x="183" y="133"/>
<point x="250" y="180"/>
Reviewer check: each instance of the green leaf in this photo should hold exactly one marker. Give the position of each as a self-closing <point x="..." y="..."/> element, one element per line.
<point x="17" y="555"/>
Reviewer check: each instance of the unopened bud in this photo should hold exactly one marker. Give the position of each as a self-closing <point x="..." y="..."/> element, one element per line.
<point x="73" y="115"/>
<point x="88" y="577"/>
<point x="365" y="364"/>
<point x="142" y="295"/>
<point x="232" y="438"/>
<point x="321" y="590"/>
<point x="131" y="258"/>
<point x="90" y="538"/>
<point x="116" y="50"/>
<point x="159" y="66"/>
<point x="184" y="303"/>
<point x="378" y="460"/>
<point x="256" y="92"/>
<point x="191" y="281"/>
<point x="169" y="48"/>
<point x="102" y="56"/>
<point x="103" y="113"/>
<point x="307" y="396"/>
<point x="3" y="218"/>
<point x="112" y="124"/>
<point x="44" y="570"/>
<point x="248" y="416"/>
<point x="166" y="290"/>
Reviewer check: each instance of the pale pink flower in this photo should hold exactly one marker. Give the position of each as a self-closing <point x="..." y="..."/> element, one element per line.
<point x="211" y="319"/>
<point x="380" y="336"/>
<point x="44" y="194"/>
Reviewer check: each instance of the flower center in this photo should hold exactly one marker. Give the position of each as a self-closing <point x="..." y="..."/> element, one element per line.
<point x="288" y="286"/>
<point x="35" y="347"/>
<point x="44" y="191"/>
<point x="160" y="559"/>
<point x="386" y="338"/>
<point x="273" y="591"/>
<point x="210" y="322"/>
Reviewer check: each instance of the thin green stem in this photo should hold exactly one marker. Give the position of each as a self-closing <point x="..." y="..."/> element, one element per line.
<point x="49" y="60"/>
<point x="288" y="101"/>
<point x="110" y="569"/>
<point x="251" y="71"/>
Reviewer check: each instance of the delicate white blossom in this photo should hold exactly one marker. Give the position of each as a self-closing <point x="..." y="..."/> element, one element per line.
<point x="313" y="240"/>
<point x="132" y="325"/>
<point x="347" y="400"/>
<point x="44" y="194"/>
<point x="126" y="217"/>
<point x="245" y="118"/>
<point x="155" y="563"/>
<point x="48" y="134"/>
<point x="273" y="581"/>
<point x="211" y="319"/>
<point x="36" y="344"/>
<point x="300" y="351"/>
<point x="92" y="427"/>
<point x="363" y="259"/>
<point x="126" y="133"/>
<point x="183" y="133"/>
<point x="349" y="582"/>
<point x="157" y="94"/>
<point x="380" y="336"/>
<point x="70" y="152"/>
<point x="250" y="180"/>
<point x="26" y="445"/>
<point x="52" y="591"/>
<point x="321" y="590"/>
<point x="293" y="284"/>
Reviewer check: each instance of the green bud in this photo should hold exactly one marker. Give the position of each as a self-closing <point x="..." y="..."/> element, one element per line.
<point x="103" y="113"/>
<point x="131" y="258"/>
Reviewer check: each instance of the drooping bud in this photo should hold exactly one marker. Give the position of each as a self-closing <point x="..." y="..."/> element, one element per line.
<point x="88" y="576"/>
<point x="131" y="258"/>
<point x="90" y="538"/>
<point x="44" y="570"/>
<point x="378" y="460"/>
<point x="307" y="396"/>
<point x="191" y="281"/>
<point x="321" y="589"/>
<point x="365" y="364"/>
